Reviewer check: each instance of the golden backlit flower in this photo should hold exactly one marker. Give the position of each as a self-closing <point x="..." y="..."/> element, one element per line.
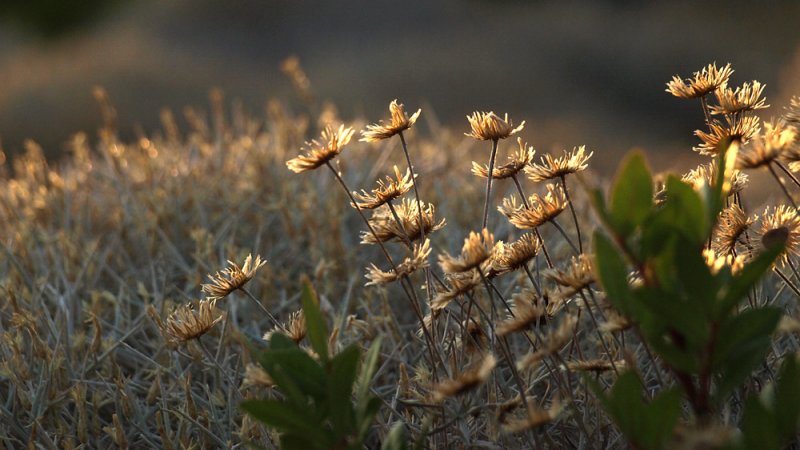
<point x="792" y="114"/>
<point x="417" y="260"/>
<point x="477" y="248"/>
<point x="553" y="342"/>
<point x="706" y="174"/>
<point x="577" y="276"/>
<point x="783" y="225"/>
<point x="488" y="126"/>
<point x="192" y="320"/>
<point x="717" y="262"/>
<point x="460" y="283"/>
<point x="776" y="141"/>
<point x="739" y="128"/>
<point x="549" y="167"/>
<point x="387" y="229"/>
<point x="517" y="161"/>
<point x="541" y="210"/>
<point x="295" y="329"/>
<point x="466" y="381"/>
<point x="528" y="308"/>
<point x="318" y="153"/>
<point x="535" y="416"/>
<point x="510" y="257"/>
<point x="233" y="277"/>
<point x="732" y="223"/>
<point x="386" y="191"/>
<point x="703" y="82"/>
<point x="400" y="122"/>
<point x="747" y="97"/>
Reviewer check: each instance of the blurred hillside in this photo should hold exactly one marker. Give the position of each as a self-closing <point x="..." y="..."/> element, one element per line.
<point x="579" y="72"/>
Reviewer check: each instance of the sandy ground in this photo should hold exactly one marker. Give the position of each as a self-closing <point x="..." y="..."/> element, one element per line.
<point x="579" y="72"/>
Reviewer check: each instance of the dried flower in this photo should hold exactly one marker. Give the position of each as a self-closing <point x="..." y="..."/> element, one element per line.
<point x="400" y="122"/>
<point x="739" y="128"/>
<point x="615" y="322"/>
<point x="233" y="277"/>
<point x="387" y="228"/>
<point x="551" y="343"/>
<point x="477" y="249"/>
<point x="528" y="309"/>
<point x="783" y="225"/>
<point x="717" y="262"/>
<point x="744" y="98"/>
<point x="792" y="114"/>
<point x="192" y="320"/>
<point x="489" y="126"/>
<point x="706" y="174"/>
<point x="549" y="167"/>
<point x="732" y="223"/>
<point x="705" y="81"/>
<point x="466" y="381"/>
<point x="295" y="329"/>
<point x="516" y="162"/>
<point x="317" y="153"/>
<point x="460" y="283"/>
<point x="255" y="375"/>
<point x="417" y="260"/>
<point x="510" y="257"/>
<point x="777" y="140"/>
<point x="541" y="210"/>
<point x="386" y="191"/>
<point x="577" y="276"/>
<point x="535" y="417"/>
<point x="594" y="365"/>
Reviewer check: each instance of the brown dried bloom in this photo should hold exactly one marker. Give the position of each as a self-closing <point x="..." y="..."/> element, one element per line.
<point x="489" y="126"/>
<point x="528" y="309"/>
<point x="302" y="85"/>
<point x="386" y="191"/>
<point x="477" y="249"/>
<point x="295" y="329"/>
<point x="792" y="114"/>
<point x="516" y="162"/>
<point x="732" y="223"/>
<point x="542" y="209"/>
<point x="417" y="260"/>
<point x="318" y="153"/>
<point x="460" y="283"/>
<point x="466" y="381"/>
<point x="705" y="81"/>
<point x="594" y="365"/>
<point x="615" y="322"/>
<point x="783" y="225"/>
<point x="233" y="277"/>
<point x="744" y="98"/>
<point x="705" y="174"/>
<point x="551" y="343"/>
<point x="255" y="375"/>
<point x="577" y="276"/>
<point x="535" y="417"/>
<point x="400" y="122"/>
<point x="549" y="167"/>
<point x="777" y="140"/>
<point x="717" y="262"/>
<point x="510" y="257"/>
<point x="740" y="128"/>
<point x="192" y="320"/>
<point x="387" y="229"/>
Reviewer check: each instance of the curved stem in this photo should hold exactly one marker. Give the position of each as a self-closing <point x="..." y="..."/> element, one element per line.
<point x="572" y="210"/>
<point x="566" y="236"/>
<point x="263" y="308"/>
<point x="489" y="184"/>
<point x="536" y="230"/>
<point x="782" y="185"/>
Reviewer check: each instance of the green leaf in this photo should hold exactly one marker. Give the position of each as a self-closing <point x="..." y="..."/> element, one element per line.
<point x="305" y="373"/>
<point x="682" y="212"/>
<point x="758" y="426"/>
<point x="315" y="323"/>
<point x="366" y="415"/>
<point x="726" y="163"/>
<point x="631" y="195"/>
<point x="746" y="279"/>
<point x="396" y="439"/>
<point x="340" y="389"/>
<point x="286" y="418"/>
<point x="612" y="272"/>
<point x="368" y="370"/>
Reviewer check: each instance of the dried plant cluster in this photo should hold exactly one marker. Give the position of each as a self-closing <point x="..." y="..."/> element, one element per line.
<point x="104" y="345"/>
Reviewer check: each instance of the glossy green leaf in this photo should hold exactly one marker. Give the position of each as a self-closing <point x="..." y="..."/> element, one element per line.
<point x="746" y="279"/>
<point x="340" y="389"/>
<point x="631" y="195"/>
<point x="612" y="271"/>
<point x="315" y="323"/>
<point x="284" y="417"/>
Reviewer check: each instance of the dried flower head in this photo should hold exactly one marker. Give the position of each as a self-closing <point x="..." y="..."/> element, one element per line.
<point x="551" y="343"/>
<point x="528" y="309"/>
<point x="400" y="122"/>
<point x="477" y="249"/>
<point x="510" y="257"/>
<point x="255" y="375"/>
<point x="489" y="126"/>
<point x="318" y="153"/>
<point x="386" y="191"/>
<point x="777" y="140"/>
<point x="740" y="128"/>
<point x="792" y="114"/>
<point x="541" y="210"/>
<point x="535" y="417"/>
<point x="294" y="329"/>
<point x="705" y="174"/>
<point x="516" y="162"/>
<point x="387" y="228"/>
<point x="192" y="320"/>
<point x="417" y="260"/>
<point x="577" y="276"/>
<point x="233" y="277"/>
<point x="594" y="365"/>
<point x="460" y="283"/>
<point x="717" y="262"/>
<point x="615" y="322"/>
<point x="302" y="85"/>
<point x="732" y="223"/>
<point x="747" y="97"/>
<point x="549" y="167"/>
<point x="782" y="225"/>
<point x="466" y="381"/>
<point x="705" y="81"/>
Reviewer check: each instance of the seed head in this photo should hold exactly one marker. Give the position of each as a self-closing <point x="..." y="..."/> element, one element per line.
<point x="549" y="167"/>
<point x="295" y="329"/>
<point x="528" y="309"/>
<point x="466" y="381"/>
<point x="477" y="249"/>
<point x="460" y="283"/>
<point x="778" y="140"/>
<point x="541" y="210"/>
<point x="744" y="98"/>
<point x="577" y="276"/>
<point x="792" y="114"/>
<point x="551" y="343"/>
<point x="705" y="81"/>
<point x="386" y="191"/>
<point x="319" y="152"/>
<point x="716" y="262"/>
<point x="732" y="223"/>
<point x="510" y="257"/>
<point x="517" y="161"/>
<point x="233" y="277"/>
<point x="192" y="320"/>
<point x="417" y="260"/>
<point x="535" y="417"/>
<point x="782" y="225"/>
<point x="488" y="126"/>
<point x="255" y="375"/>
<point x="706" y="174"/>
<point x="400" y="122"/>
<point x="594" y="365"/>
<point x="387" y="228"/>
<point x="740" y="128"/>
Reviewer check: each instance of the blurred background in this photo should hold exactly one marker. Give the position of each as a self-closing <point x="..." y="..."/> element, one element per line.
<point x="579" y="72"/>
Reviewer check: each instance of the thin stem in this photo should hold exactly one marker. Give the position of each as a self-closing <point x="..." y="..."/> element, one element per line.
<point x="566" y="236"/>
<point x="572" y="210"/>
<point x="222" y="371"/>
<point x="536" y="230"/>
<point x="400" y="224"/>
<point x="788" y="172"/>
<point x="782" y="185"/>
<point x="263" y="308"/>
<point x="704" y="103"/>
<point x="489" y="184"/>
<point x="533" y="281"/>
